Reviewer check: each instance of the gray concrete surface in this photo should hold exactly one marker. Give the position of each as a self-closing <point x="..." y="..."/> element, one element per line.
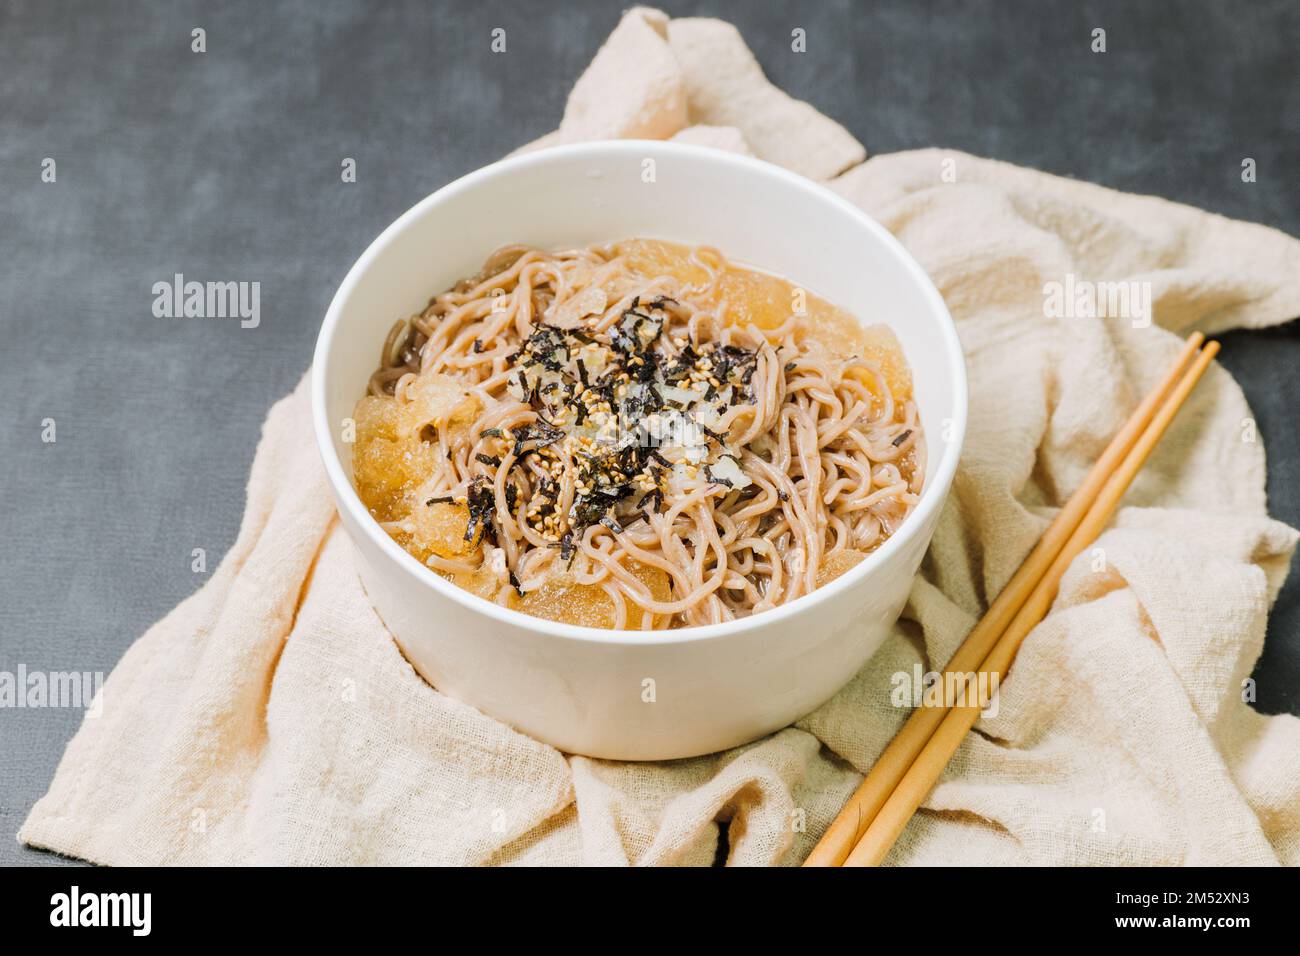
<point x="225" y="165"/>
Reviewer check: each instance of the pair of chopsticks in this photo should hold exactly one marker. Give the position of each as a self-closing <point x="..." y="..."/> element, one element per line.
<point x="877" y="813"/>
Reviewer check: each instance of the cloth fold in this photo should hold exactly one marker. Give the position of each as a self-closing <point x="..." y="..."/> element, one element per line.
<point x="270" y="718"/>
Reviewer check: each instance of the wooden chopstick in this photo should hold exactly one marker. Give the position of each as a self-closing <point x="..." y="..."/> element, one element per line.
<point x="852" y="821"/>
<point x="924" y="773"/>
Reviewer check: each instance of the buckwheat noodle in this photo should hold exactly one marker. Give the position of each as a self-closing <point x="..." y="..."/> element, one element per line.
<point x="803" y="460"/>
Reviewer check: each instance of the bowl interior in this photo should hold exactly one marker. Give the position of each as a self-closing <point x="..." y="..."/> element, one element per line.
<point x="754" y="213"/>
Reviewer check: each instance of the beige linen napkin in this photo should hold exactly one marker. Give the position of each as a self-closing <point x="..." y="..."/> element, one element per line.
<point x="270" y="718"/>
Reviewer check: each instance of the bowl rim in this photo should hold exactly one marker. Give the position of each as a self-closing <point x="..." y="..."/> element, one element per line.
<point x="932" y="495"/>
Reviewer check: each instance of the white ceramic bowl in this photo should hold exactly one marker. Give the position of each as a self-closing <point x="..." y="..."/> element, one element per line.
<point x="629" y="695"/>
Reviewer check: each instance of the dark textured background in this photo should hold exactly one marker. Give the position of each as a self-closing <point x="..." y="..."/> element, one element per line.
<point x="226" y="166"/>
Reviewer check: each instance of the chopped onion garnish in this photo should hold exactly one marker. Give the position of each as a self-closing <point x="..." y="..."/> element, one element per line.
<point x="671" y="393"/>
<point x="726" y="470"/>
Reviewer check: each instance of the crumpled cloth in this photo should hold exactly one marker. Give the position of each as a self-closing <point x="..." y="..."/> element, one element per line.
<point x="271" y="719"/>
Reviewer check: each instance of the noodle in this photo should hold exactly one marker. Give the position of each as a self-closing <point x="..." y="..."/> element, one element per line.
<point x="602" y="436"/>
